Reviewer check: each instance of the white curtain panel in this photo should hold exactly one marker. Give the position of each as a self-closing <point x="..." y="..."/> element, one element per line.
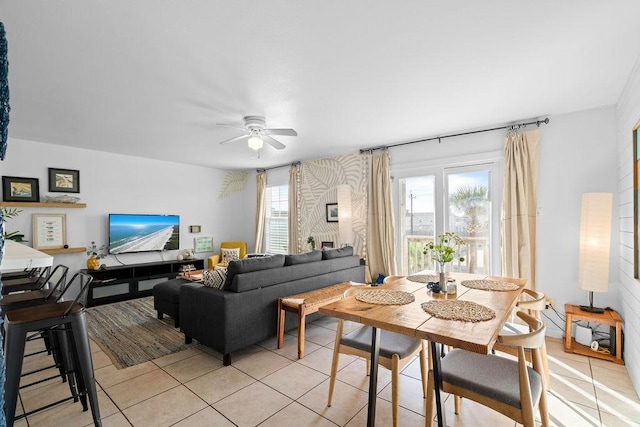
<point x="295" y="245"/>
<point x="261" y="190"/>
<point x="518" y="231"/>
<point x="381" y="248"/>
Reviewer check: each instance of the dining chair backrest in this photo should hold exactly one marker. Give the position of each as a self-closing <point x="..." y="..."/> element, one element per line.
<point x="473" y="376"/>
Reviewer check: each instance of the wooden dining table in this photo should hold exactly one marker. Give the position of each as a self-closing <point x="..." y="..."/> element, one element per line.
<point x="410" y="319"/>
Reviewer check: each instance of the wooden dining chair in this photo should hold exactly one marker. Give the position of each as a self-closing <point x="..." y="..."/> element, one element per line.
<point x="396" y="351"/>
<point x="532" y="303"/>
<point x="506" y="386"/>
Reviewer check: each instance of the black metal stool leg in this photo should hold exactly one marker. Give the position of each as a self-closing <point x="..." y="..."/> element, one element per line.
<point x="81" y="340"/>
<point x="14" y="342"/>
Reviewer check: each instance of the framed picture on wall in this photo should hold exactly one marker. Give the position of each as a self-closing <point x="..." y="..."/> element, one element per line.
<point x="64" y="180"/>
<point x="326" y="245"/>
<point x="49" y="231"/>
<point x="203" y="244"/>
<point x="16" y="189"/>
<point x="332" y="212"/>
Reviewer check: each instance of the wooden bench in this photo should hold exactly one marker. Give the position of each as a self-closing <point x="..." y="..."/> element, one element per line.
<point x="304" y="304"/>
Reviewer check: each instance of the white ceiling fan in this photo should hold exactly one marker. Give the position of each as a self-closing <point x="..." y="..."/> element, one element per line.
<point x="256" y="133"/>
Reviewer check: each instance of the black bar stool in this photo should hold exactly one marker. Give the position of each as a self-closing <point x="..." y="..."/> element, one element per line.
<point x="69" y="315"/>
<point x="38" y="296"/>
<point x="28" y="283"/>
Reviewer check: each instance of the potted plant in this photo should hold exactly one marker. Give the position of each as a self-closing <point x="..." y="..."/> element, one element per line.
<point x="312" y="242"/>
<point x="443" y="251"/>
<point x="7" y="213"/>
<point x="95" y="254"/>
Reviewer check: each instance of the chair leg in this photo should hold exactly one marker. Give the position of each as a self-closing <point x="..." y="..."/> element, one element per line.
<point x="334" y="361"/>
<point x="429" y="412"/>
<point x="456" y="404"/>
<point x="423" y="369"/>
<point x="395" y="382"/>
<point x="545" y="366"/>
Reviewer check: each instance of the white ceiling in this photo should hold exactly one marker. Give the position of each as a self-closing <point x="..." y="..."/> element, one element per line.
<point x="151" y="78"/>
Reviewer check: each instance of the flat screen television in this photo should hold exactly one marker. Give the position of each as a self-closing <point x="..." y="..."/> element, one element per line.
<point x="143" y="233"/>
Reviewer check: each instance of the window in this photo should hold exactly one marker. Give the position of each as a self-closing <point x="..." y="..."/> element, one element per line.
<point x="458" y="199"/>
<point x="276" y="233"/>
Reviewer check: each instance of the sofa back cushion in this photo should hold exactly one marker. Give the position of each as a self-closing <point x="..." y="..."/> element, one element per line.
<point x="249" y="265"/>
<point x="337" y="253"/>
<point x="303" y="258"/>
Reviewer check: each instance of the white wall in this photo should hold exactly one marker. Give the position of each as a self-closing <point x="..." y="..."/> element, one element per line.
<point x="112" y="183"/>
<point x="628" y="114"/>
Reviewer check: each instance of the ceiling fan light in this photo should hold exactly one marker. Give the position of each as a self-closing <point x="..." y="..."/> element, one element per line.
<point x="255" y="142"/>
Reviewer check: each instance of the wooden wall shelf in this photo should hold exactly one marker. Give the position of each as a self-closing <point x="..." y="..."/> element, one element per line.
<point x="42" y="205"/>
<point x="63" y="251"/>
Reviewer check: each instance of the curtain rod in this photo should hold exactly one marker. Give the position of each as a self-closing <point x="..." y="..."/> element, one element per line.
<point x="277" y="167"/>
<point x="439" y="138"/>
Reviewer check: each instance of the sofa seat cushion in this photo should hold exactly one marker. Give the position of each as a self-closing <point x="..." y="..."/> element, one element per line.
<point x="337" y="253"/>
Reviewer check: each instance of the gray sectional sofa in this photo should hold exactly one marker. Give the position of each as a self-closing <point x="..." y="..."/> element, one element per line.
<point x="244" y="311"/>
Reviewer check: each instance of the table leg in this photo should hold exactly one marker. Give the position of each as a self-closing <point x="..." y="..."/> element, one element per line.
<point x="281" y="317"/>
<point x="373" y="376"/>
<point x="437" y="383"/>
<point x="301" y="325"/>
<point x="567" y="331"/>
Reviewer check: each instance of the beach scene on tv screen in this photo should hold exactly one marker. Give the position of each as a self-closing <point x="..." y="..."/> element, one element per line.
<point x="141" y="233"/>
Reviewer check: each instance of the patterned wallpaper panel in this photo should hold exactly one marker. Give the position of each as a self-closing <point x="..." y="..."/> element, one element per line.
<point x="318" y="181"/>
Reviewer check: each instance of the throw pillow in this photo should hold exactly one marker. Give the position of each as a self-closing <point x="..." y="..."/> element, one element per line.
<point x="215" y="278"/>
<point x="229" y="255"/>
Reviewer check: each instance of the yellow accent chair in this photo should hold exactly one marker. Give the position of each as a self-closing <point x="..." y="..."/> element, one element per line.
<point x="216" y="260"/>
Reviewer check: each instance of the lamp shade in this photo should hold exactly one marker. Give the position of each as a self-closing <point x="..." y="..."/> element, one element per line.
<point x="345" y="217"/>
<point x="595" y="242"/>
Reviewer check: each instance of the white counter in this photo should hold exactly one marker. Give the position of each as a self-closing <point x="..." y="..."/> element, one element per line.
<point x="18" y="257"/>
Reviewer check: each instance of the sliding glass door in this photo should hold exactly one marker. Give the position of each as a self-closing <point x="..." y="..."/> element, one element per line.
<point x="458" y="199"/>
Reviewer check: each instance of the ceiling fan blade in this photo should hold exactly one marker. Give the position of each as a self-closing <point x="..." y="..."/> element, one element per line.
<point x="231" y="126"/>
<point x="284" y="132"/>
<point x="237" y="138"/>
<point x="273" y="142"/>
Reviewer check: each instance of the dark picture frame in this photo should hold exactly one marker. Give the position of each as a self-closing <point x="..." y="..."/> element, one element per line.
<point x="332" y="212"/>
<point x="64" y="180"/>
<point x="328" y="245"/>
<point x="19" y="189"/>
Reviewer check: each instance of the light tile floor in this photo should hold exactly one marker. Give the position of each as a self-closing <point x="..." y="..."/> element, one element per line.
<point x="269" y="387"/>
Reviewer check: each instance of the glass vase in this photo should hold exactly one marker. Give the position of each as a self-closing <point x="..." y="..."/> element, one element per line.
<point x="442" y="270"/>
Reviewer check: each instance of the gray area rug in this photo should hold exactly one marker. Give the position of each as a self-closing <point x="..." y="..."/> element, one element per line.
<point x="130" y="334"/>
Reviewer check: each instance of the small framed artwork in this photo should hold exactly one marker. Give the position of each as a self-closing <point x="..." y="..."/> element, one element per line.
<point x="64" y="180"/>
<point x="203" y="244"/>
<point x="49" y="231"/>
<point x="195" y="229"/>
<point x="16" y="189"/>
<point x="326" y="245"/>
<point x="332" y="212"/>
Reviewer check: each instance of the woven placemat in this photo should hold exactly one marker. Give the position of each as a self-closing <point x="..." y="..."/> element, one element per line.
<point x="465" y="311"/>
<point x="490" y="285"/>
<point x="423" y="278"/>
<point x="386" y="297"/>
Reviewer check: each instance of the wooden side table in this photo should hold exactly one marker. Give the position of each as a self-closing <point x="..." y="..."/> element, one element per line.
<point x="609" y="317"/>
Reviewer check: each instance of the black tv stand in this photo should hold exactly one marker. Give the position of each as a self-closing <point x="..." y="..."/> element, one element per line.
<point x="125" y="282"/>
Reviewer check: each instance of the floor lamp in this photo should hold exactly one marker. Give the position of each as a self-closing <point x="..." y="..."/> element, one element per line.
<point x="595" y="243"/>
<point x="345" y="217"/>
